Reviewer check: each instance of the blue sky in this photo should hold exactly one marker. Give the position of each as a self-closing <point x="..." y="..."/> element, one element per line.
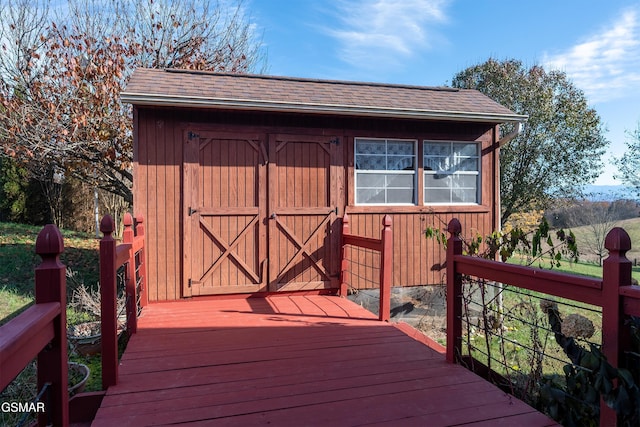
<point x="426" y="42"/>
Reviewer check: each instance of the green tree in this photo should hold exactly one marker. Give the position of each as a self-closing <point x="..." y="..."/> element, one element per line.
<point x="629" y="164"/>
<point x="563" y="141"/>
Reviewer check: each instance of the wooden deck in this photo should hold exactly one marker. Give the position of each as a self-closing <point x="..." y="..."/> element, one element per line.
<point x="293" y="360"/>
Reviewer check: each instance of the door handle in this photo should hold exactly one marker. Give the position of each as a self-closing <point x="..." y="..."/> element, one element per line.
<point x="273" y="216"/>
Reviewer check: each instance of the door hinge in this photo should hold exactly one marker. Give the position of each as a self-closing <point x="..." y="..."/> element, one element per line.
<point x="335" y="141"/>
<point x="189" y="282"/>
<point x="192" y="211"/>
<point x="192" y="135"/>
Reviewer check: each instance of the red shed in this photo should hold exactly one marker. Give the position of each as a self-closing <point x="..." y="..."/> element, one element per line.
<point x="243" y="179"/>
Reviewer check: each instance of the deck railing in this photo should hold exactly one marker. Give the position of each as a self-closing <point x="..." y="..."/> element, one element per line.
<point x="130" y="255"/>
<point x="614" y="293"/>
<point x="41" y="331"/>
<point x="384" y="246"/>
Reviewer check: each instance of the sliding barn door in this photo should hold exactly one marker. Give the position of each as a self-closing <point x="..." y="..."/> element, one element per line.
<point x="224" y="213"/>
<point x="303" y="195"/>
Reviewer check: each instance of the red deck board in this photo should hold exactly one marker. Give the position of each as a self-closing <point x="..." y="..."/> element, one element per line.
<point x="307" y="360"/>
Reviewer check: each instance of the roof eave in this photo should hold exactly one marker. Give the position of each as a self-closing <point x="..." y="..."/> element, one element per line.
<point x="258" y="105"/>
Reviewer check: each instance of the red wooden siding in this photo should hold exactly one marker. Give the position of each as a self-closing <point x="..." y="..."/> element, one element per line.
<point x="307" y="174"/>
<point x="157" y="194"/>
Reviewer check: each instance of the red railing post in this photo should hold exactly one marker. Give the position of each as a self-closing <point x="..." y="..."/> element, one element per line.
<point x="386" y="266"/>
<point x="109" y="321"/>
<point x="454" y="292"/>
<point x="51" y="286"/>
<point x="616" y="273"/>
<point x="142" y="269"/>
<point x="344" y="261"/>
<point x="130" y="286"/>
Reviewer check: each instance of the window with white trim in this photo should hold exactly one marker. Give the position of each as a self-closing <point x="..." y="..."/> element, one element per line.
<point x="385" y="171"/>
<point x="451" y="172"/>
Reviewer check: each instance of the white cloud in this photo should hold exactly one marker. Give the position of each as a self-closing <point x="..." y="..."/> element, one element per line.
<point x="382" y="32"/>
<point x="606" y="65"/>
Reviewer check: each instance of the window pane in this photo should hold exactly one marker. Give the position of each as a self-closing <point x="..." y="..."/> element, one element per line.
<point x="370" y="147"/>
<point x="465" y="181"/>
<point x="438" y="164"/>
<point x="464" y="196"/>
<point x="397" y="163"/>
<point x="399" y="196"/>
<point x="467" y="164"/>
<point x="437" y="149"/>
<point x="371" y="162"/>
<point x="401" y="181"/>
<point x="465" y="149"/>
<point x="437" y="196"/>
<point x="371" y="180"/>
<point x="392" y="156"/>
<point x="437" y="181"/>
<point x="400" y="147"/>
<point x="370" y="196"/>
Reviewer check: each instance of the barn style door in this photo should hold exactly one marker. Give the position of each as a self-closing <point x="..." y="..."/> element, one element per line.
<point x="303" y="200"/>
<point x="224" y="212"/>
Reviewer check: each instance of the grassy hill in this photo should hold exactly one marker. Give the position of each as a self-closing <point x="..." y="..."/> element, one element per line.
<point x="632" y="226"/>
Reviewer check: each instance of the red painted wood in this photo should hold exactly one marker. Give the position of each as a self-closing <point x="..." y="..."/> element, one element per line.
<point x="108" y="295"/>
<point x="344" y="260"/>
<point x="386" y="266"/>
<point x="23" y="337"/>
<point x="140" y="247"/>
<point x="613" y="293"/>
<point x="286" y="360"/>
<point x="564" y="285"/>
<point x="128" y="238"/>
<point x="616" y="274"/>
<point x="51" y="287"/>
<point x="454" y="292"/>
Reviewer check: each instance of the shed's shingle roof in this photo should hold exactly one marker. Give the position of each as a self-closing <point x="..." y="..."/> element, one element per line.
<point x="270" y="93"/>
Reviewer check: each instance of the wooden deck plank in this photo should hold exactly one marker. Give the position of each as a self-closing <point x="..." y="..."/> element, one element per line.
<point x="310" y="360"/>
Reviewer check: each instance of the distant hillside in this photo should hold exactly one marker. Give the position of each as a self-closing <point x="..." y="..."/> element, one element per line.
<point x="608" y="193"/>
<point x="632" y="226"/>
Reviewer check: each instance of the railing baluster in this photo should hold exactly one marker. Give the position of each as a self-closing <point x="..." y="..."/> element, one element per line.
<point x="131" y="293"/>
<point x="616" y="273"/>
<point x="386" y="265"/>
<point x="140" y="234"/>
<point x="51" y="286"/>
<point x="109" y="321"/>
<point x="454" y="292"/>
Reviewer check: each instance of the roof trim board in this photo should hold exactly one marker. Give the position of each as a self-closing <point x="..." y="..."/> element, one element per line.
<point x="276" y="106"/>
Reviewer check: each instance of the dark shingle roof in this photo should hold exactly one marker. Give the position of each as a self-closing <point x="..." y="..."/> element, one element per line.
<point x="269" y="93"/>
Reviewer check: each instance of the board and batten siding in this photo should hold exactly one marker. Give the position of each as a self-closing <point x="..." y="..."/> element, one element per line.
<point x="157" y="195"/>
<point x="159" y="191"/>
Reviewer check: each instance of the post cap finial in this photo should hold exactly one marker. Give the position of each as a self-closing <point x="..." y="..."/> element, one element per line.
<point x="387" y="221"/>
<point x="454" y="227"/>
<point x="617" y="240"/>
<point x="49" y="241"/>
<point x="107" y="225"/>
<point x="127" y="220"/>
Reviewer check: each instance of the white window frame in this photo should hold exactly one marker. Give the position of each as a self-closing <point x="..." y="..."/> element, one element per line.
<point x="360" y="172"/>
<point x="477" y="173"/>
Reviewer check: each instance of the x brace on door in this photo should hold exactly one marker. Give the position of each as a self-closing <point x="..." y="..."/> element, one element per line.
<point x="228" y="250"/>
<point x="302" y="247"/>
